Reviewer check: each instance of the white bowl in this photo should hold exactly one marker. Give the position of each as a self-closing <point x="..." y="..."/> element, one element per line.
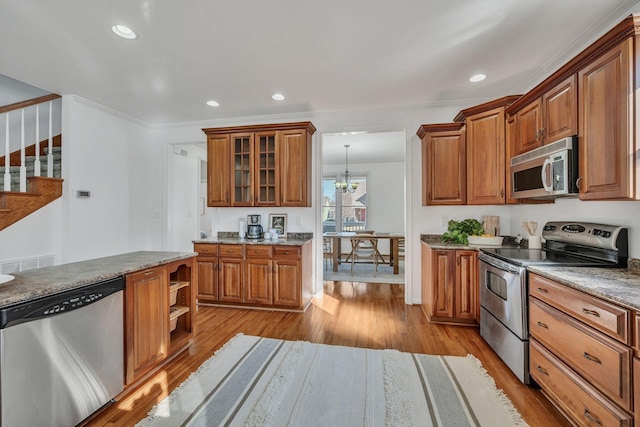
<point x="486" y="241"/>
<point x="4" y="278"/>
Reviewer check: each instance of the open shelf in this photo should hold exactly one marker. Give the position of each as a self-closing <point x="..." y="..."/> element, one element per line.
<point x="174" y="313"/>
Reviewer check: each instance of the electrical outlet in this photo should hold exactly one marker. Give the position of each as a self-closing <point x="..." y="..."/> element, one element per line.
<point x="445" y="221"/>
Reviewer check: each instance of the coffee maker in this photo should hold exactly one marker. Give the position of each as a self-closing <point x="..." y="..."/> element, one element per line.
<point x="254" y="227"/>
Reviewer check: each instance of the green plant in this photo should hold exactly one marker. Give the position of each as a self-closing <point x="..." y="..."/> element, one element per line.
<point x="459" y="231"/>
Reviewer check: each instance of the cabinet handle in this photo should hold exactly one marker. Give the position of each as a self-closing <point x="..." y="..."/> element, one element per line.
<point x="148" y="273"/>
<point x="543" y="290"/>
<point x="285" y="253"/>
<point x="578" y="181"/>
<point x="542" y="325"/>
<point x="542" y="132"/>
<point x="592" y="418"/>
<point x="590" y="312"/>
<point x="591" y="358"/>
<point x="542" y="371"/>
<point x="502" y="192"/>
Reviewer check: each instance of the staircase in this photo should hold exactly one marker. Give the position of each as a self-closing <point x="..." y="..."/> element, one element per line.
<point x="40" y="190"/>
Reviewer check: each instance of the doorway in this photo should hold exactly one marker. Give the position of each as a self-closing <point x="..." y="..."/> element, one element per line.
<point x="375" y="162"/>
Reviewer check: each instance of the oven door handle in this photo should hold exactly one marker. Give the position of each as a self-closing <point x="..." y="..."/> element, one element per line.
<point x="543" y="175"/>
<point x="499" y="264"/>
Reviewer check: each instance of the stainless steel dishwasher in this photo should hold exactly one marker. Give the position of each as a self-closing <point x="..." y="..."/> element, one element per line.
<point x="61" y="356"/>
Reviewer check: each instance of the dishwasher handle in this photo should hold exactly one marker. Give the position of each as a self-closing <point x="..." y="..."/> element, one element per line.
<point x="53" y="305"/>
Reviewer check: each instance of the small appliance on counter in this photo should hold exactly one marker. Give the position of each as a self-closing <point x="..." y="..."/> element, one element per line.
<point x="254" y="227"/>
<point x="242" y="228"/>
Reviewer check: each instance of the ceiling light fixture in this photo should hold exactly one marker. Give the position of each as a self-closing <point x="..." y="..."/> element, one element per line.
<point x="343" y="185"/>
<point x="278" y="96"/>
<point x="477" y="78"/>
<point x="124" y="32"/>
<point x="213" y="103"/>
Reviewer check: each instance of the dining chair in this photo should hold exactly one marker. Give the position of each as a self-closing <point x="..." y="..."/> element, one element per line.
<point x="364" y="247"/>
<point x="327" y="252"/>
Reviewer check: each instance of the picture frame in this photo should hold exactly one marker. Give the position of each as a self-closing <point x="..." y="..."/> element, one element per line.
<point x="279" y="222"/>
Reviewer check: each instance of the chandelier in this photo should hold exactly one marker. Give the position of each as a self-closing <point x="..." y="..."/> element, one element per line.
<point x="345" y="184"/>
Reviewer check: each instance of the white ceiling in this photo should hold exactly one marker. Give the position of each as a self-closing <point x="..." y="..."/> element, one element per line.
<point x="323" y="56"/>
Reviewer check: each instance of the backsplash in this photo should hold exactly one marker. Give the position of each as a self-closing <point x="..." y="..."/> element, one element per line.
<point x="633" y="265"/>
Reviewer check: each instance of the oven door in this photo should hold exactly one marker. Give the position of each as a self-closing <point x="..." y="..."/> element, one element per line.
<point x="503" y="293"/>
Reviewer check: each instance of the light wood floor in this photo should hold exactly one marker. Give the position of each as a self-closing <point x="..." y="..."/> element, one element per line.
<point x="353" y="314"/>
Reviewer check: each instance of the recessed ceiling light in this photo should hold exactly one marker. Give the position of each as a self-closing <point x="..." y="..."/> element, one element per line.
<point x="213" y="103"/>
<point x="278" y="96"/>
<point x="124" y="32"/>
<point x="477" y="78"/>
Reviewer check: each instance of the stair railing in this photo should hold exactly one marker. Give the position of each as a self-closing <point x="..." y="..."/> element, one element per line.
<point x="22" y="106"/>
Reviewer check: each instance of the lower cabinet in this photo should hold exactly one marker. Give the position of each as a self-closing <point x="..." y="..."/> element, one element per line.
<point x="450" y="285"/>
<point x="255" y="275"/>
<point x="580" y="353"/>
<point x="159" y="316"/>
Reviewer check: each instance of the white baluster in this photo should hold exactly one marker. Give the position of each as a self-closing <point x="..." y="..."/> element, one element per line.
<point x="7" y="159"/>
<point x="36" y="164"/>
<point x="50" y="154"/>
<point x="23" y="167"/>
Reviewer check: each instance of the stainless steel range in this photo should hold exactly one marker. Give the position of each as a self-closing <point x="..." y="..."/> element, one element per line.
<point x="504" y="284"/>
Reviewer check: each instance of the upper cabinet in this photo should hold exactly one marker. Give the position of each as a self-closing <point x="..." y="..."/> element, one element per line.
<point x="548" y="118"/>
<point x="260" y="165"/>
<point x="607" y="125"/>
<point x="444" y="162"/>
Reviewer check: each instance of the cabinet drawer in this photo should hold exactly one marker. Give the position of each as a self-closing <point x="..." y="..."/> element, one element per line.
<point x="205" y="248"/>
<point x="609" y="318"/>
<point x="572" y="394"/>
<point x="603" y="361"/>
<point x="231" y="250"/>
<point x="259" y="251"/>
<point x="287" y="251"/>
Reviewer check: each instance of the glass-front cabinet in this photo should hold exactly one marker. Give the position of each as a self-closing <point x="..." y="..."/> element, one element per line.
<point x="270" y="165"/>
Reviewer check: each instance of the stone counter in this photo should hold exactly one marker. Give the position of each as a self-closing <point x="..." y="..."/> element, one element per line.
<point x="236" y="241"/>
<point x="616" y="285"/>
<point x="435" y="242"/>
<point x="46" y="281"/>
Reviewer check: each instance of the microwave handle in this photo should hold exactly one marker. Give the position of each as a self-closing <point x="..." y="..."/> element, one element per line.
<point x="547" y="162"/>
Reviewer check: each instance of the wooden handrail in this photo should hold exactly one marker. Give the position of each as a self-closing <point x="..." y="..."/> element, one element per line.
<point x="28" y="103"/>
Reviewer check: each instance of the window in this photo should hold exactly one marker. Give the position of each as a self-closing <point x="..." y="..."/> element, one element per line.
<point x="344" y="211"/>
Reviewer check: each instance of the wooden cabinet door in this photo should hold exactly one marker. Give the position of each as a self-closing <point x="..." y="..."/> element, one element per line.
<point x="486" y="158"/>
<point x="230" y="279"/>
<point x="426" y="276"/>
<point x="287" y="282"/>
<point x="511" y="142"/>
<point x="444" y="168"/>
<point x="443" y="271"/>
<point x="606" y="125"/>
<point x="466" y="304"/>
<point x="242" y="153"/>
<point x="294" y="152"/>
<point x="147" y="316"/>
<point x="266" y="169"/>
<point x="258" y="283"/>
<point x="218" y="164"/>
<point x="529" y="128"/>
<point x="207" y="278"/>
<point x="560" y="111"/>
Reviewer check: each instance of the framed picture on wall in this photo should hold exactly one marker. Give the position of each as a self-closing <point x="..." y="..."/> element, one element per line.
<point x="279" y="222"/>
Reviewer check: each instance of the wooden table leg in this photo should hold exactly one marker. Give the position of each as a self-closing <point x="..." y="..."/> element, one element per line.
<point x="394" y="255"/>
<point x="335" y="242"/>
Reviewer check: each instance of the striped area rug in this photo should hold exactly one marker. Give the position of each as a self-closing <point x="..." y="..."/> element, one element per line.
<point x="254" y="381"/>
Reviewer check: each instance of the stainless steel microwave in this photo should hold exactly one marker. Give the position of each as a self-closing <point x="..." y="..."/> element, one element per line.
<point x="547" y="172"/>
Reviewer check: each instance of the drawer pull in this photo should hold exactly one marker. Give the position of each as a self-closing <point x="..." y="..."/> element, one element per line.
<point x="542" y="370"/>
<point x="149" y="273"/>
<point x="592" y="418"/>
<point x="285" y="253"/>
<point x="543" y="290"/>
<point x="542" y="325"/>
<point x="590" y="312"/>
<point x="591" y="358"/>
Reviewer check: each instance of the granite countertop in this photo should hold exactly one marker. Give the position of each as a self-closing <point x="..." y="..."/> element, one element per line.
<point x="236" y="241"/>
<point x="616" y="285"/>
<point x="435" y="242"/>
<point x="45" y="281"/>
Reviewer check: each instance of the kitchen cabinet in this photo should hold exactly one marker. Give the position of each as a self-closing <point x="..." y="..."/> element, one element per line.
<point x="485" y="142"/>
<point x="607" y="124"/>
<point x="443" y="164"/>
<point x="450" y="285"/>
<point x="260" y="165"/>
<point x="552" y="116"/>
<point x="159" y="316"/>
<point x="580" y="353"/>
<point x="255" y="275"/>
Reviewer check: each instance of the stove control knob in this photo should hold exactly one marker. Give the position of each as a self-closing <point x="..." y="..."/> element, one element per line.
<point x="606" y="234"/>
<point x="549" y="227"/>
<point x="596" y="232"/>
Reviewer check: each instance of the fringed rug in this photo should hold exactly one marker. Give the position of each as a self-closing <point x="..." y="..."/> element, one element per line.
<point x="254" y="381"/>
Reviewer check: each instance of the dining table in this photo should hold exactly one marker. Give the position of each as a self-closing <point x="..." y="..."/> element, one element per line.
<point x="392" y="258"/>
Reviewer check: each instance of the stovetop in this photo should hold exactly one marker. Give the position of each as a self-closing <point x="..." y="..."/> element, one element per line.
<point x="524" y="257"/>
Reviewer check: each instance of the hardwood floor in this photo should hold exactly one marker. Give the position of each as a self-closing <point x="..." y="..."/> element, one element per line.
<point x="354" y="314"/>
